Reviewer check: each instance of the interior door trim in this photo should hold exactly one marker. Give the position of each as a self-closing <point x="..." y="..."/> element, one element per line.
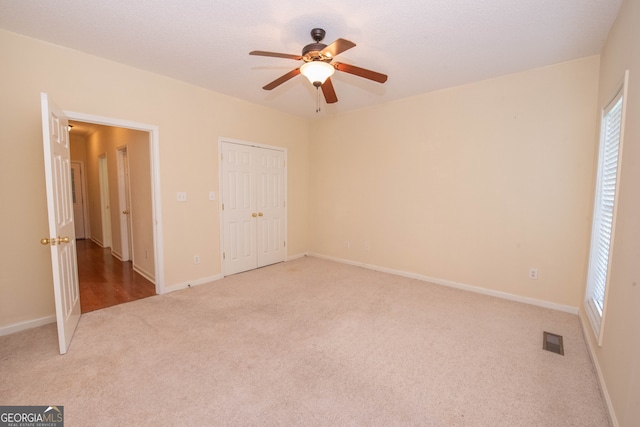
<point x="154" y="153"/>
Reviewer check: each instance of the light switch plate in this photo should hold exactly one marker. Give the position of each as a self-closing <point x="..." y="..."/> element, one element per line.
<point x="212" y="195"/>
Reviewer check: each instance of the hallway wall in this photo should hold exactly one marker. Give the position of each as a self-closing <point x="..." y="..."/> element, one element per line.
<point x="106" y="140"/>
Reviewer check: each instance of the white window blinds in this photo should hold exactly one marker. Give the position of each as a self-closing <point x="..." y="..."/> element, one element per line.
<point x="604" y="211"/>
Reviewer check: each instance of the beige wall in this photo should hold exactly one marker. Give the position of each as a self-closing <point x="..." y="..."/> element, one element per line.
<point x="138" y="148"/>
<point x="190" y="121"/>
<point x="619" y="356"/>
<point x="473" y="184"/>
<point x="78" y="148"/>
<point x="106" y="140"/>
<point x="78" y="152"/>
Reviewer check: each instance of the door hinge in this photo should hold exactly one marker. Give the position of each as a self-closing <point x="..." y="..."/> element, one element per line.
<point x="224" y="256"/>
<point x="285" y="244"/>
<point x="223" y="206"/>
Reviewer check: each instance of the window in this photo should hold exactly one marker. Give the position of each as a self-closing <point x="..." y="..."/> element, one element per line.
<point x="604" y="211"/>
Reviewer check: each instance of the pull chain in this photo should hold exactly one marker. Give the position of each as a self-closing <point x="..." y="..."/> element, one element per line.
<point x="317" y="99"/>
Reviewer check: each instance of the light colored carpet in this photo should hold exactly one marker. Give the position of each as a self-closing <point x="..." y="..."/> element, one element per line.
<point x="310" y="342"/>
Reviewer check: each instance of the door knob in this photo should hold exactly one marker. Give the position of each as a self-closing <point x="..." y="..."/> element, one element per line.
<point x="254" y="214"/>
<point x="54" y="241"/>
<point x="126" y="212"/>
<point x="260" y="214"/>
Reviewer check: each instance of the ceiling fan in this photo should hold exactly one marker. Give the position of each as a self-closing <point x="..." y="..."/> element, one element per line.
<point x="318" y="65"/>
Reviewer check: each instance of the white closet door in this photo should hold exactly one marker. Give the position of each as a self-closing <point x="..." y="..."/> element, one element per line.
<point x="271" y="209"/>
<point x="239" y="201"/>
<point x="253" y="215"/>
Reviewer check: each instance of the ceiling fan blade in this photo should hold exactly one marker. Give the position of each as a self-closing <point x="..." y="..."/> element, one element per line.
<point x="329" y="92"/>
<point x="361" y="72"/>
<point x="277" y="82"/>
<point x="337" y="47"/>
<point x="274" y="54"/>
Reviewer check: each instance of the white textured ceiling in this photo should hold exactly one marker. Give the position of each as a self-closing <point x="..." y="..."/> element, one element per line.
<point x="423" y="45"/>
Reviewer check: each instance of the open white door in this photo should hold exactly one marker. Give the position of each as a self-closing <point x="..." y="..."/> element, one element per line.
<point x="57" y="167"/>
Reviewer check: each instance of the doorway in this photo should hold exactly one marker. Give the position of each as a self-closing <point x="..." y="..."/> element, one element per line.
<point x="57" y="170"/>
<point x="124" y="199"/>
<point x="105" y="211"/>
<point x="108" y="256"/>
<point x="79" y="198"/>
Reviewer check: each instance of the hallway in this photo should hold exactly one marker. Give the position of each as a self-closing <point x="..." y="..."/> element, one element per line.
<point x="106" y="281"/>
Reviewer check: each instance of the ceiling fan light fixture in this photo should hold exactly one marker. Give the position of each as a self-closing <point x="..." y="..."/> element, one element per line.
<point x="317" y="72"/>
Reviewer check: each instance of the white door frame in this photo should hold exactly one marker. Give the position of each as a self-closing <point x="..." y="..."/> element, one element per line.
<point x="221" y="140"/>
<point x="154" y="150"/>
<point x="124" y="203"/>
<point x="85" y="208"/>
<point x="105" y="200"/>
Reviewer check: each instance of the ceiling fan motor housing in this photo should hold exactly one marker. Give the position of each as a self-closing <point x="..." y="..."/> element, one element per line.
<point x="312" y="51"/>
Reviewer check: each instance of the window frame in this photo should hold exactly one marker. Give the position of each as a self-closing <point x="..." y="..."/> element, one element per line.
<point x="594" y="313"/>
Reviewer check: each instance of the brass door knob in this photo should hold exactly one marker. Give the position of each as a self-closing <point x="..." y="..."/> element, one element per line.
<point x="54" y="241"/>
<point x="126" y="212"/>
<point x="254" y="214"/>
<point x="260" y="214"/>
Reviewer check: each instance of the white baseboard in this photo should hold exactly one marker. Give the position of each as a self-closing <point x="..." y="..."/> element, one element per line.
<point x="449" y="283"/>
<point x="28" y="324"/>
<point x="116" y="255"/>
<point x="144" y="273"/>
<point x="192" y="283"/>
<point x="292" y="257"/>
<point x="97" y="242"/>
<point x="594" y="359"/>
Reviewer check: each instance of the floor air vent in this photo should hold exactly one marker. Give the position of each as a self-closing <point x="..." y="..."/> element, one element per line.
<point x="552" y="342"/>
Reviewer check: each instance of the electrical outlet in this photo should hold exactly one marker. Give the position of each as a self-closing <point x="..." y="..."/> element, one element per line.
<point x="347" y="244"/>
<point x="181" y="196"/>
<point x="196" y="259"/>
<point x="533" y="273"/>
